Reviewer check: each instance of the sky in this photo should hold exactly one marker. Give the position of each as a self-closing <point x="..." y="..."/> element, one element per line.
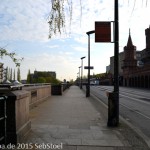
<point x="24" y="29"/>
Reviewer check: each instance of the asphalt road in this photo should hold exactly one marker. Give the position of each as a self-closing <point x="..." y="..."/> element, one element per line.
<point x="134" y="105"/>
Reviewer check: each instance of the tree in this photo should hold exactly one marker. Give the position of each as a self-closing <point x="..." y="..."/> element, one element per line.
<point x="29" y="77"/>
<point x="7" y="76"/>
<point x="18" y="75"/>
<point x="41" y="80"/>
<point x="57" y="16"/>
<point x="11" y="74"/>
<point x="14" y="75"/>
<point x="4" y="52"/>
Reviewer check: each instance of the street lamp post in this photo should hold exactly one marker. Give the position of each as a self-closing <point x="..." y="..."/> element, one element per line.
<point x="81" y="70"/>
<point x="79" y="77"/>
<point x="88" y="86"/>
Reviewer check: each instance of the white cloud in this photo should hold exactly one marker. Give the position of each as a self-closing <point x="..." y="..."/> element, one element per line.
<point x="80" y="49"/>
<point x="24" y="20"/>
<point x="53" y="46"/>
<point x="82" y="39"/>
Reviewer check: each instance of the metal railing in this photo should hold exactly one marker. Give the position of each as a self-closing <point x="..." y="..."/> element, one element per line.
<point x="3" y="118"/>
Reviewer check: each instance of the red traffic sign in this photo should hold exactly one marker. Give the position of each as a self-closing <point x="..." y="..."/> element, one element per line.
<point x="88" y="67"/>
<point x="102" y="31"/>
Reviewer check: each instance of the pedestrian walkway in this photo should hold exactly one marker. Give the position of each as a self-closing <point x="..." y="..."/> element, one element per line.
<point x="73" y="122"/>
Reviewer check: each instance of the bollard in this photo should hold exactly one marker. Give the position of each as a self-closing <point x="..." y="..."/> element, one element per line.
<point x="112" y="112"/>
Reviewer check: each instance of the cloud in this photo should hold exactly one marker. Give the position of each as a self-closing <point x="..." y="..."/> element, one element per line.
<point x="80" y="49"/>
<point x="82" y="39"/>
<point x="53" y="46"/>
<point x="24" y="20"/>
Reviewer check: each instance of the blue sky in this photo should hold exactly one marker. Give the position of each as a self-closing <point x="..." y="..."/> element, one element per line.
<point x="24" y="30"/>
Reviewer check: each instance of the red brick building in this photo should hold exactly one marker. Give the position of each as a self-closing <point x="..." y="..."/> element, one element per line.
<point x="136" y="73"/>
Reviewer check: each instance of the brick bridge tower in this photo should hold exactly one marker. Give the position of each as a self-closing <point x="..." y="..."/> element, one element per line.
<point x="129" y="62"/>
<point x="147" y="34"/>
<point x="146" y="52"/>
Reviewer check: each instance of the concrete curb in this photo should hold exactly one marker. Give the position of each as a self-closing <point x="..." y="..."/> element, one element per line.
<point x="136" y="130"/>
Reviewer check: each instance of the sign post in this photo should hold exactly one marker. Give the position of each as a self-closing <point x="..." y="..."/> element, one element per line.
<point x="116" y="61"/>
<point x="103" y="34"/>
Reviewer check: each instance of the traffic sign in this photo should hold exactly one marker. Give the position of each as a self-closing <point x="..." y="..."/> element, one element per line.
<point x="88" y="67"/>
<point x="102" y="31"/>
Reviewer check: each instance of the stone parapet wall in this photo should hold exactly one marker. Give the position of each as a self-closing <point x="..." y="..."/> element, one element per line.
<point x="18" y="105"/>
<point x="38" y="94"/>
<point x="23" y="123"/>
<point x="17" y="112"/>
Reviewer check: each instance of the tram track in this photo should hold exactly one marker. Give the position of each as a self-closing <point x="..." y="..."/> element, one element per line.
<point x="129" y="108"/>
<point x="134" y="107"/>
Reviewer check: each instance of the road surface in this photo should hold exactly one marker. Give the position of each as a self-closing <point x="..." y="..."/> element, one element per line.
<point x="134" y="105"/>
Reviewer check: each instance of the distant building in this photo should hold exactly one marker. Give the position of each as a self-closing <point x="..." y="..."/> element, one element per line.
<point x="38" y="74"/>
<point x="45" y="73"/>
<point x="136" y="73"/>
<point x="121" y="57"/>
<point x="134" y="66"/>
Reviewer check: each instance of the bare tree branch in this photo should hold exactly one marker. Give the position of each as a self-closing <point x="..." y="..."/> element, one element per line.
<point x="57" y="15"/>
<point x="12" y="55"/>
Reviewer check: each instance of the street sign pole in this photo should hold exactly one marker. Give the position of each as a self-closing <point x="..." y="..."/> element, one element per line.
<point x="116" y="66"/>
<point x="103" y="34"/>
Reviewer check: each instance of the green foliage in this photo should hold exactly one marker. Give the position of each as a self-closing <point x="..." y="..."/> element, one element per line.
<point x="41" y="77"/>
<point x="4" y="52"/>
<point x="14" y="75"/>
<point x="41" y="80"/>
<point x="29" y="77"/>
<point x="57" y="16"/>
<point x="18" y="75"/>
<point x="46" y="80"/>
<point x="52" y="80"/>
<point x="11" y="74"/>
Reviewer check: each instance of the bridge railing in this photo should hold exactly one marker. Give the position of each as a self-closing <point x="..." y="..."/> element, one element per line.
<point x="3" y="119"/>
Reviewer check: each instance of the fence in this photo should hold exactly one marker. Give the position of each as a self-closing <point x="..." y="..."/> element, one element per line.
<point x="3" y="118"/>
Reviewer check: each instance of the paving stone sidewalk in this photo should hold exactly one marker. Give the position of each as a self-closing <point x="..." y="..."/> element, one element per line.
<point x="74" y="122"/>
